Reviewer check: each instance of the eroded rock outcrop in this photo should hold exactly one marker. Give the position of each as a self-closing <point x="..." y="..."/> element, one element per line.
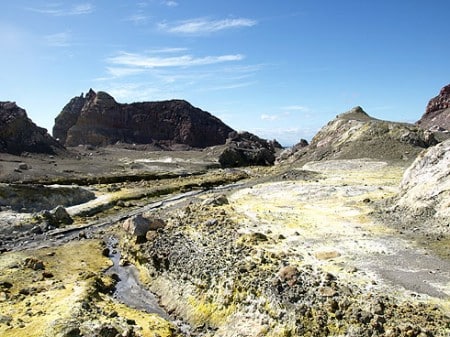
<point x="97" y="119"/>
<point x="34" y="198"/>
<point x="425" y="188"/>
<point x="355" y="134"/>
<point x="437" y="113"/>
<point x="18" y="133"/>
<point x="244" y="149"/>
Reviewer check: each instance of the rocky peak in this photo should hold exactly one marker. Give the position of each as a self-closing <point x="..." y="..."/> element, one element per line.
<point x="440" y="102"/>
<point x="19" y="134"/>
<point x="437" y="113"/>
<point x="355" y="134"/>
<point x="356" y="113"/>
<point x="97" y="119"/>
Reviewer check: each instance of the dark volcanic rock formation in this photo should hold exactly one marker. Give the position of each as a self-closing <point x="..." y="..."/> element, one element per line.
<point x="437" y="113"/>
<point x="19" y="134"/>
<point x="245" y="149"/>
<point x="97" y="119"/>
<point x="355" y="134"/>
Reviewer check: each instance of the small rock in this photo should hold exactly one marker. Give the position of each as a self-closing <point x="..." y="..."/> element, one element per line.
<point x="47" y="274"/>
<point x="327" y="291"/>
<point x="4" y="319"/>
<point x="33" y="263"/>
<point x="327" y="255"/>
<point x="24" y="166"/>
<point x="136" y="225"/>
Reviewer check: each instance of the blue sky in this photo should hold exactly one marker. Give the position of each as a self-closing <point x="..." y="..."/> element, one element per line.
<point x="278" y="68"/>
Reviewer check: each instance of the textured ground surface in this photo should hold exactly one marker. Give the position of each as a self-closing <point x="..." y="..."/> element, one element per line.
<point x="285" y="251"/>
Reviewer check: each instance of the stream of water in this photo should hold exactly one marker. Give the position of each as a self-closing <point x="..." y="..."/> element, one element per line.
<point x="129" y="289"/>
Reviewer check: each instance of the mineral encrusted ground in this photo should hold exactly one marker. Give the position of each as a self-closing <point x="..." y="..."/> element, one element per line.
<point x="238" y="276"/>
<point x="281" y="251"/>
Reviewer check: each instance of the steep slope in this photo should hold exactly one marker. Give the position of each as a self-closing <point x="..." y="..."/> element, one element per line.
<point x="355" y="134"/>
<point x="19" y="134"/>
<point x="97" y="119"/>
<point x="425" y="188"/>
<point x="437" y="113"/>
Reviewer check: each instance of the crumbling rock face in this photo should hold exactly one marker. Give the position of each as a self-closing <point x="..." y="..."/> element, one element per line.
<point x="18" y="133"/>
<point x="425" y="188"/>
<point x="97" y="119"/>
<point x="437" y="113"/>
<point x="245" y="149"/>
<point x="34" y="198"/>
<point x="355" y="134"/>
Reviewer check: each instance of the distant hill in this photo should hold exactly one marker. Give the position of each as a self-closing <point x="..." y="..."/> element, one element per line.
<point x="437" y="113"/>
<point x="97" y="119"/>
<point x="355" y="134"/>
<point x="18" y="133"/>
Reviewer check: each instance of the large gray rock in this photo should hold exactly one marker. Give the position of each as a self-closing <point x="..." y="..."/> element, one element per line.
<point x="425" y="188"/>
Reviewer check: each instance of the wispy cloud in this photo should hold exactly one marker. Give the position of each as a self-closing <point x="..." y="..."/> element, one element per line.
<point x="138" y="18"/>
<point x="295" y="108"/>
<point x="56" y="9"/>
<point x="146" y="61"/>
<point x="58" y="39"/>
<point x="267" y="117"/>
<point x="170" y="3"/>
<point x="205" y="26"/>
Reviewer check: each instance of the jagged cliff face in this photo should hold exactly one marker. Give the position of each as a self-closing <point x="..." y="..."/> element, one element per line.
<point x="437" y="113"/>
<point x="97" y="119"/>
<point x="355" y="134"/>
<point x="19" y="134"/>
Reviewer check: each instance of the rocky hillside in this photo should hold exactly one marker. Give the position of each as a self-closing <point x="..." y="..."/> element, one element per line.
<point x="19" y="134"/>
<point x="437" y="113"/>
<point x="97" y="119"/>
<point x="355" y="134"/>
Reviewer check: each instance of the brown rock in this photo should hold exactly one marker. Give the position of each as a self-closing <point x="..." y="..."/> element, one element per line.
<point x="33" y="263"/>
<point x="18" y="133"/>
<point x="97" y="119"/>
<point x="137" y="225"/>
<point x="437" y="113"/>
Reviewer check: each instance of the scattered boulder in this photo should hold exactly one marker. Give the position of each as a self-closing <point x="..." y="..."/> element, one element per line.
<point x="18" y="133"/>
<point x="425" y="188"/>
<point x="246" y="149"/>
<point x="139" y="225"/>
<point x="437" y="113"/>
<point x="97" y="119"/>
<point x="136" y="225"/>
<point x="33" y="263"/>
<point x="59" y="214"/>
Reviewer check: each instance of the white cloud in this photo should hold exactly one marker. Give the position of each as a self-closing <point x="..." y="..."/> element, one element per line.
<point x="286" y="136"/>
<point x="137" y="19"/>
<point x="56" y="9"/>
<point x="170" y="3"/>
<point x="296" y="108"/>
<point x="205" y="26"/>
<point x="144" y="61"/>
<point x="123" y="71"/>
<point x="58" y="39"/>
<point x="267" y="117"/>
